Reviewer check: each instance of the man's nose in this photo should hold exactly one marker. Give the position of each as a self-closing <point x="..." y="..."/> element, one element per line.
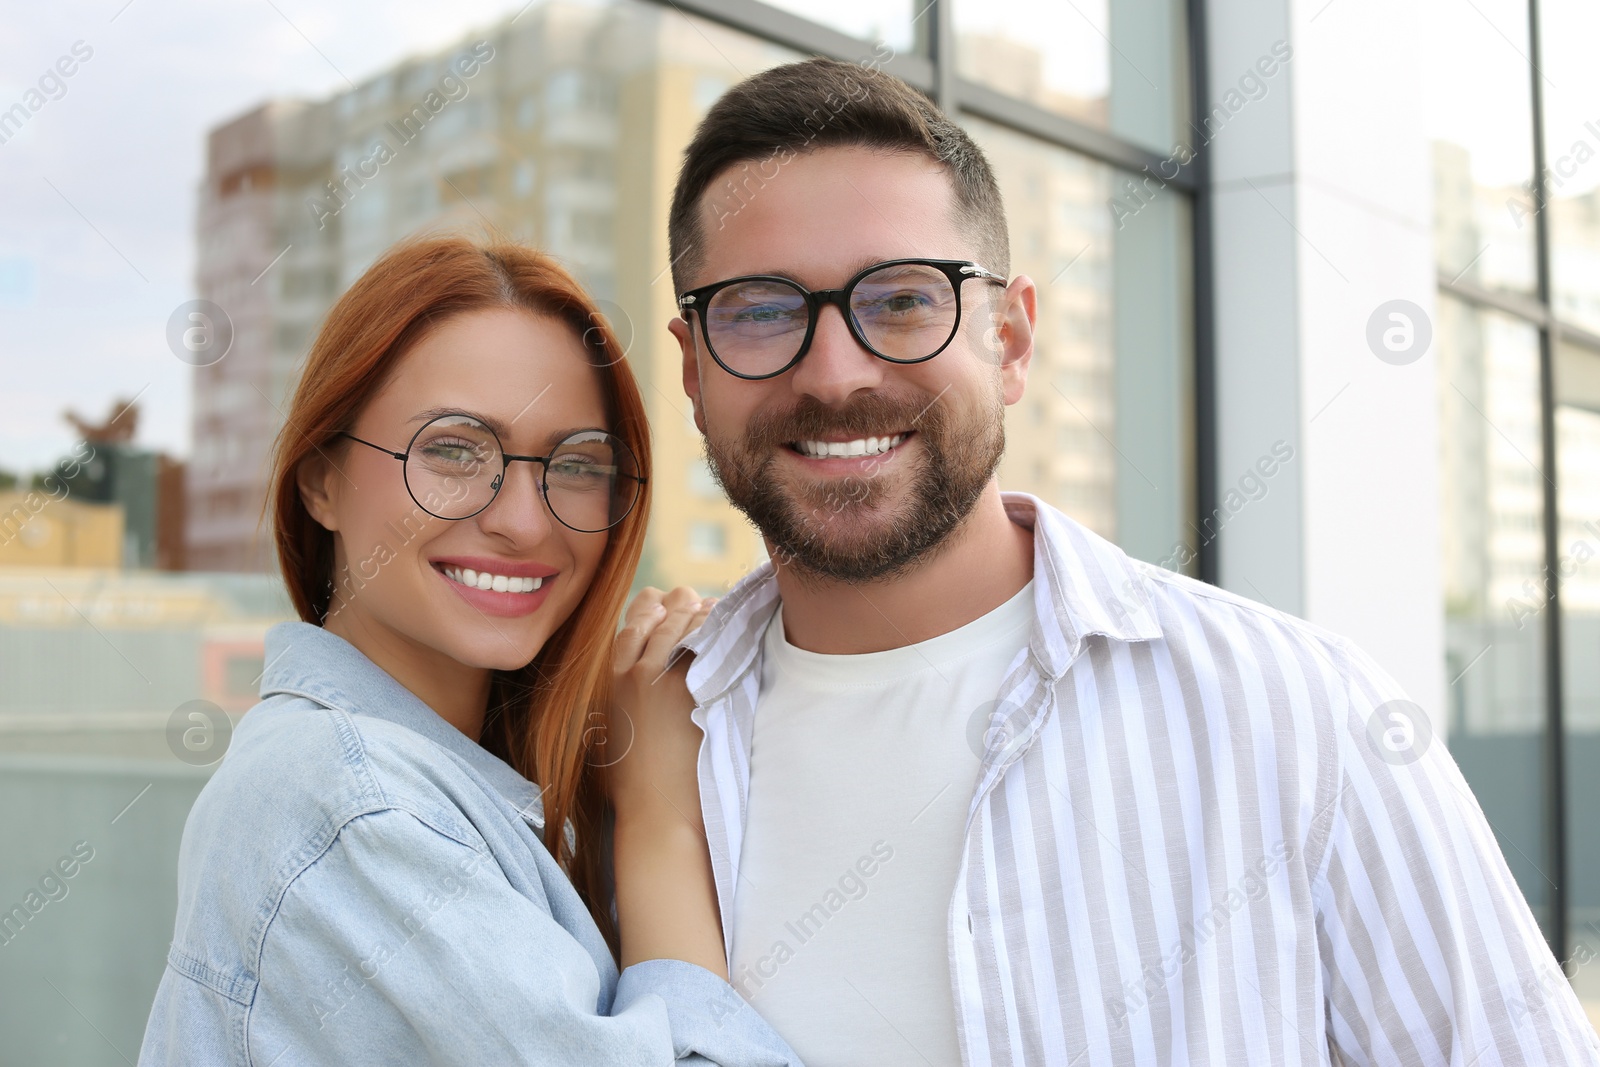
<point x="836" y="366"/>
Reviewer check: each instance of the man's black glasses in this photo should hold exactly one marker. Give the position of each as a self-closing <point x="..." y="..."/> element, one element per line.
<point x="902" y="310"/>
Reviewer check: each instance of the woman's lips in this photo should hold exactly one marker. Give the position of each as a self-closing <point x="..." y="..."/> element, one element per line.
<point x="502" y="602"/>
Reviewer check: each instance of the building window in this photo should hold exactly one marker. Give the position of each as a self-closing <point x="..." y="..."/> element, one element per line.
<point x="702" y="483"/>
<point x="707" y="540"/>
<point x="1517" y="248"/>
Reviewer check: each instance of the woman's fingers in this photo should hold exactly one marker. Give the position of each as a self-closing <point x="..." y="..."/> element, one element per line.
<point x="705" y="609"/>
<point x="638" y="622"/>
<point x="681" y="618"/>
<point x="653" y="624"/>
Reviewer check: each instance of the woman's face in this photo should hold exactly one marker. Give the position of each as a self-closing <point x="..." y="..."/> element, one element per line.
<point x="400" y="573"/>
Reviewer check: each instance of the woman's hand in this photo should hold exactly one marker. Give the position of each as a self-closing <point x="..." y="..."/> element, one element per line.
<point x="654" y="772"/>
<point x="666" y="892"/>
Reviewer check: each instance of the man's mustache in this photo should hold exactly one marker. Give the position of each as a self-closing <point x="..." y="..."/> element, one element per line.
<point x="874" y="414"/>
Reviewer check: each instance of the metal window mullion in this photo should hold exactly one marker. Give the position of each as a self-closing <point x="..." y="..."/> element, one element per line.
<point x="1527" y="308"/>
<point x="1009" y="111"/>
<point x="942" y="51"/>
<point x="936" y="75"/>
<point x="1206" y="496"/>
<point x="800" y="34"/>
<point x="1554" y="749"/>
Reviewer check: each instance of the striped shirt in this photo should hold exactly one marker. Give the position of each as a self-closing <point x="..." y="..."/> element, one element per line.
<point x="1202" y="832"/>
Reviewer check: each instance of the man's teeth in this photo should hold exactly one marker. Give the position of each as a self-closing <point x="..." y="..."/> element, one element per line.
<point x="500" y="583"/>
<point x="861" y="446"/>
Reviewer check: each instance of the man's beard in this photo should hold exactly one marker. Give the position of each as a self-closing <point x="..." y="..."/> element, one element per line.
<point x="829" y="528"/>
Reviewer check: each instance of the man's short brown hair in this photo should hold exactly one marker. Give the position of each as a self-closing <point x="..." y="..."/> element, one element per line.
<point x="768" y="119"/>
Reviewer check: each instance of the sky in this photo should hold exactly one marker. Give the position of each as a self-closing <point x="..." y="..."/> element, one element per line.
<point x="97" y="244"/>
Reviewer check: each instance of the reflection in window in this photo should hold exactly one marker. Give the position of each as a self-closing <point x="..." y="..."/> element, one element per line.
<point x="707" y="540"/>
<point x="1492" y="575"/>
<point x="1479" y="111"/>
<point x="1103" y="432"/>
<point x="891" y="21"/>
<point x="1578" y="469"/>
<point x="1117" y="65"/>
<point x="1572" y="156"/>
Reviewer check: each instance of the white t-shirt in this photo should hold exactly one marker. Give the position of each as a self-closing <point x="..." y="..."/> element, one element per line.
<point x="861" y="771"/>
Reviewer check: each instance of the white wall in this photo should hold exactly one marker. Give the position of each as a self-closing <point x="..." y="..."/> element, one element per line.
<point x="1323" y="213"/>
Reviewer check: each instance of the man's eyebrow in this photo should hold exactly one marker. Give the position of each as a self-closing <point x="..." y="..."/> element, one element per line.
<point x="850" y="271"/>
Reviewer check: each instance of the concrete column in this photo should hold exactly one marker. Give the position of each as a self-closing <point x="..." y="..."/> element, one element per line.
<point x="1324" y="214"/>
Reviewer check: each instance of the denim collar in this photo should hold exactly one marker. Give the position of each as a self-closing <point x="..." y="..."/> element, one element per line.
<point x="307" y="661"/>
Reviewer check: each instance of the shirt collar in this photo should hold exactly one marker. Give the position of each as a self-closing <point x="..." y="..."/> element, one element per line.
<point x="726" y="644"/>
<point x="308" y="661"/>
<point x="1083" y="585"/>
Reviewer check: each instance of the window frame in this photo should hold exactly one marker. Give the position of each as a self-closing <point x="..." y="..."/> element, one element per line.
<point x="930" y="66"/>
<point x="1539" y="311"/>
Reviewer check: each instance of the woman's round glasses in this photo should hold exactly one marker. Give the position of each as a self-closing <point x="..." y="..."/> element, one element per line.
<point x="454" y="468"/>
<point x="903" y="310"/>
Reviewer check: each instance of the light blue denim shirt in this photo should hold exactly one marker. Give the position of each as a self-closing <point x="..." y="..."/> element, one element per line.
<point x="359" y="883"/>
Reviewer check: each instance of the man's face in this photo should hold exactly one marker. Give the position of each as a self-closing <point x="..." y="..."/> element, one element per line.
<point x="823" y="217"/>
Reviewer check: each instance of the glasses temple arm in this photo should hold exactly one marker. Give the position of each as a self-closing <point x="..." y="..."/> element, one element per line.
<point x="386" y="451"/>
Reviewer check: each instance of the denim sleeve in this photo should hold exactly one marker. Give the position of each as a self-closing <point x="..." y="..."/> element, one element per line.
<point x="710" y="1022"/>
<point x="401" y="944"/>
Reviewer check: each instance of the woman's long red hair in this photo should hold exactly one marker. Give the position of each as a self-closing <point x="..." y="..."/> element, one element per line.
<point x="539" y="718"/>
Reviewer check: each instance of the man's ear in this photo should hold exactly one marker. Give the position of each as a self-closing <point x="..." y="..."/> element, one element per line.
<point x="684" y="334"/>
<point x="320" y="483"/>
<point x="1015" y="319"/>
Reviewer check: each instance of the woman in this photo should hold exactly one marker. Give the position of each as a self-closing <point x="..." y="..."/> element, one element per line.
<point x="371" y="875"/>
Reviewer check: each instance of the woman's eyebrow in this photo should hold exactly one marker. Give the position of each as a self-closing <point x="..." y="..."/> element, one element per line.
<point x="436" y="413"/>
<point x="561" y="435"/>
<point x="500" y="428"/>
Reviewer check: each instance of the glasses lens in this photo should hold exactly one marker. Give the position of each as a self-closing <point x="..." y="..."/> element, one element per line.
<point x="906" y="312"/>
<point x="756" y="327"/>
<point x="592" y="481"/>
<point x="454" y="466"/>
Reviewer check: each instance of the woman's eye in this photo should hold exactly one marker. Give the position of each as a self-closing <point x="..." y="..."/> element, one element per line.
<point x="581" y="470"/>
<point x="451" y="451"/>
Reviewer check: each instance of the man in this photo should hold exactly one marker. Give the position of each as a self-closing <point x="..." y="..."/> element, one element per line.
<point x="978" y="787"/>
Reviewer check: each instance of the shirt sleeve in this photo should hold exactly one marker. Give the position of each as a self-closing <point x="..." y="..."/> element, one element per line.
<point x="401" y="944"/>
<point x="1430" y="954"/>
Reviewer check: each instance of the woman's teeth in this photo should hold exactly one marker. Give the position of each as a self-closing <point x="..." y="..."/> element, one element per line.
<point x="500" y="583"/>
<point x="861" y="446"/>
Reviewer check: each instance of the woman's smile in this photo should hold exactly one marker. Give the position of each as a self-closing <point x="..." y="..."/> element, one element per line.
<point x="500" y="587"/>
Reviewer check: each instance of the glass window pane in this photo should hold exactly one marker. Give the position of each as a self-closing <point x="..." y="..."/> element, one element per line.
<point x="1479" y="113"/>
<point x="1572" y="156"/>
<point x="1491" y="493"/>
<point x="99" y="666"/>
<point x="1118" y="65"/>
<point x="1103" y="431"/>
<point x="1578" y="471"/>
<point x="891" y="21"/>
